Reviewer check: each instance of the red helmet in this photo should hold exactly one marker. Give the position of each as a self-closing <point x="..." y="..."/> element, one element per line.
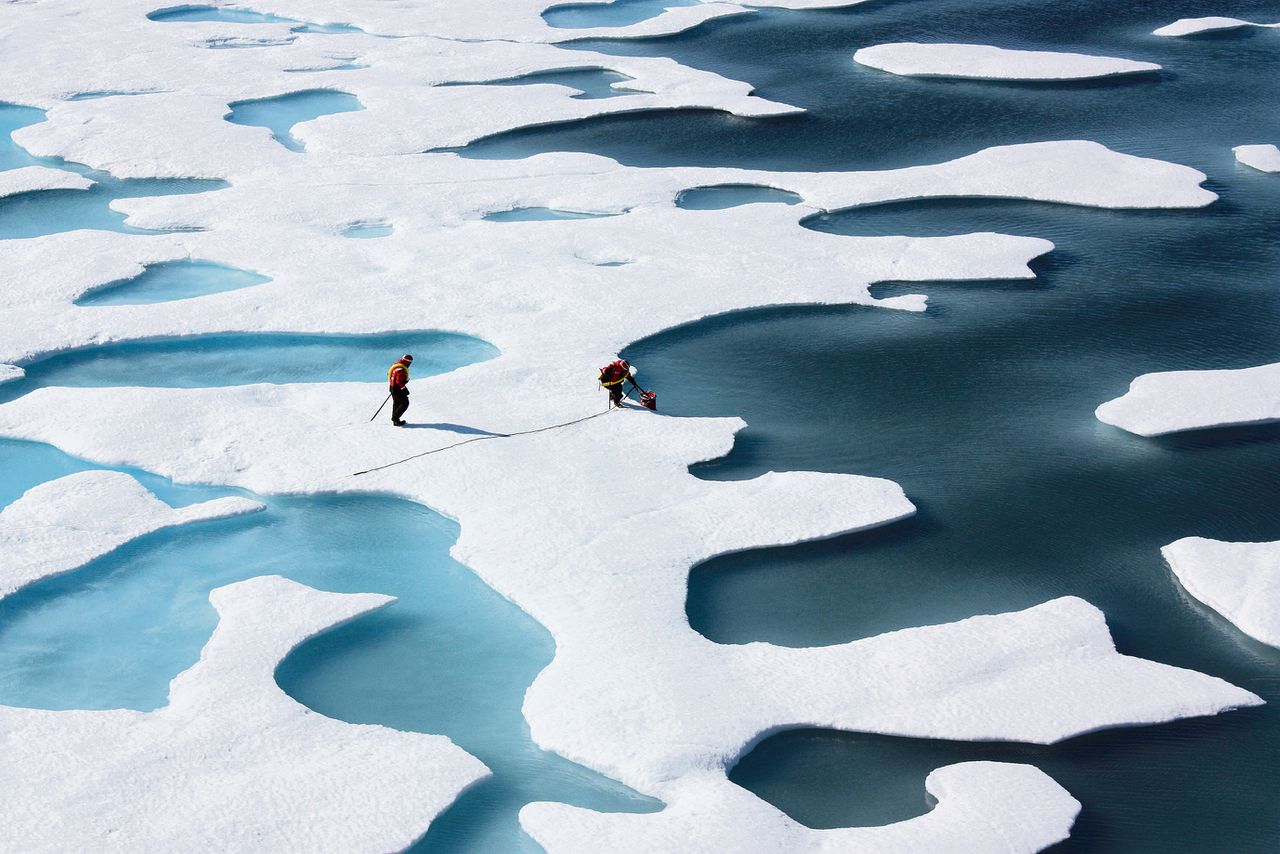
<point x="406" y="358"/>
<point x="624" y="363"/>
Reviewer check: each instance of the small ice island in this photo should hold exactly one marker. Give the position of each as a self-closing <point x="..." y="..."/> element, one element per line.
<point x="1241" y="581"/>
<point x="987" y="62"/>
<point x="1210" y="24"/>
<point x="1174" y="401"/>
<point x="1264" y="158"/>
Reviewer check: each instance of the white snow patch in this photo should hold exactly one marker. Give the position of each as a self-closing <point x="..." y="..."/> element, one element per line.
<point x="1265" y="158"/>
<point x="981" y="806"/>
<point x="27" y="179"/>
<point x="1241" y="581"/>
<point x="1172" y="401"/>
<point x="232" y="763"/>
<point x="63" y="524"/>
<point x="1212" y="23"/>
<point x="987" y="62"/>
<point x="11" y="373"/>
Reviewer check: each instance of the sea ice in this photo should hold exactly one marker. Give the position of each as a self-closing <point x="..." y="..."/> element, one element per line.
<point x="1172" y="401"/>
<point x="1241" y="581"/>
<point x="687" y="706"/>
<point x="1265" y="158"/>
<point x="981" y="806"/>
<point x="11" y="373"/>
<point x="231" y="763"/>
<point x="27" y="179"/>
<point x="1192" y="26"/>
<point x="986" y="62"/>
<point x="593" y="542"/>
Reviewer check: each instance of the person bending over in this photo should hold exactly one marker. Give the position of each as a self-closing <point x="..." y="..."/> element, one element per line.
<point x="613" y="376"/>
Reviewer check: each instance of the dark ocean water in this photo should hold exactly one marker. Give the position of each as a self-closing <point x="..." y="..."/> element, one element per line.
<point x="982" y="408"/>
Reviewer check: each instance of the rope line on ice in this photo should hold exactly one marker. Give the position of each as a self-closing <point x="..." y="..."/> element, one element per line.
<point x="482" y="438"/>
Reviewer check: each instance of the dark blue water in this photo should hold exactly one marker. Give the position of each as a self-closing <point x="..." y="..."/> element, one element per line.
<point x="172" y="280"/>
<point x="205" y="361"/>
<point x="280" y="113"/>
<point x="862" y="118"/>
<point x="982" y="407"/>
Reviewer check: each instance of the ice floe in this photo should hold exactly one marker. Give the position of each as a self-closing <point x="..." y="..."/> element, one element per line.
<point x="1173" y="401"/>
<point x="987" y="62"/>
<point x="686" y="704"/>
<point x="11" y="373"/>
<point x="1265" y="158"/>
<point x="27" y="179"/>
<point x="594" y="543"/>
<point x="1241" y="581"/>
<point x="1212" y="23"/>
<point x="231" y="763"/>
<point x="63" y="524"/>
<point x="981" y="806"/>
<point x="309" y="206"/>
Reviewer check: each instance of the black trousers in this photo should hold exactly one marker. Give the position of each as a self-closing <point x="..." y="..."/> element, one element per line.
<point x="399" y="402"/>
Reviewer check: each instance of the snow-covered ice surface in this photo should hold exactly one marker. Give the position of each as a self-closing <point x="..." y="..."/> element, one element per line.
<point x="231" y="762"/>
<point x="61" y="525"/>
<point x="1173" y="401"/>
<point x="11" y="373"/>
<point x="1212" y="23"/>
<point x="1264" y="158"/>
<point x="987" y="62"/>
<point x="981" y="806"/>
<point x="1241" y="581"/>
<point x="28" y="179"/>
<point x="633" y="691"/>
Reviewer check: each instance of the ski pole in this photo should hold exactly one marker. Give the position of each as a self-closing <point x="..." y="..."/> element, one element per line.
<point x="384" y="403"/>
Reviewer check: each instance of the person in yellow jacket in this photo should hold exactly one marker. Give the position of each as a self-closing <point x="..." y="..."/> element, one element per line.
<point x="398" y="381"/>
<point x="613" y="376"/>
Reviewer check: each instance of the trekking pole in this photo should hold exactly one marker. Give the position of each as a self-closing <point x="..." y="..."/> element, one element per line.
<point x="384" y="403"/>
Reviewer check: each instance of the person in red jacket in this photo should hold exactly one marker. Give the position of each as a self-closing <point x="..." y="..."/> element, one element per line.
<point x="398" y="380"/>
<point x="613" y="376"/>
